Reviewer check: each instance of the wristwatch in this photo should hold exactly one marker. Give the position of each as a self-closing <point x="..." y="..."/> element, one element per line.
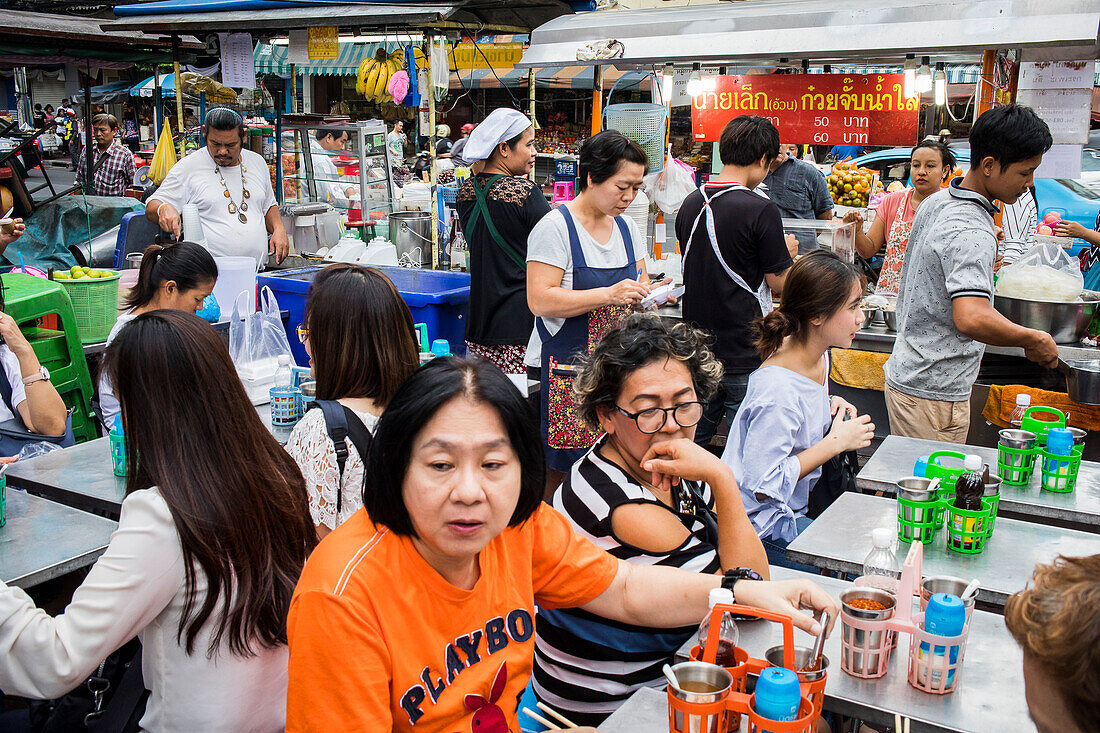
<point x="730" y="578"/>
<point x="43" y="375"/>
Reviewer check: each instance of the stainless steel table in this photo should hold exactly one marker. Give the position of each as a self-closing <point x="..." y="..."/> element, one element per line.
<point x="83" y="476"/>
<point x="841" y="538"/>
<point x="1080" y="508"/>
<point x="43" y="539"/>
<point x="990" y="695"/>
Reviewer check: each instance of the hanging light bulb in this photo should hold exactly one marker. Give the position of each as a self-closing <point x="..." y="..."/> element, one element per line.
<point x="941" y="85"/>
<point x="695" y="83"/>
<point x="924" y="77"/>
<point x="910" y="74"/>
<point x="666" y="83"/>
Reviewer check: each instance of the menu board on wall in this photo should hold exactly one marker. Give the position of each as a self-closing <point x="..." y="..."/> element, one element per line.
<point x="818" y="109"/>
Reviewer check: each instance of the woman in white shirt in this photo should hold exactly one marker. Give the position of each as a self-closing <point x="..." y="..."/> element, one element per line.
<point x="177" y="277"/>
<point x="213" y="534"/>
<point x="788" y="427"/>
<point x="358" y="333"/>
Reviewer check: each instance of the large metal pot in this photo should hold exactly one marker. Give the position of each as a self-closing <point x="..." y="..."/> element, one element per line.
<point x="1066" y="322"/>
<point x="411" y="234"/>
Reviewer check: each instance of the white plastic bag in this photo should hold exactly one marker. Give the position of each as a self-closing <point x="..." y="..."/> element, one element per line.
<point x="669" y="187"/>
<point x="256" y="341"/>
<point x="1045" y="272"/>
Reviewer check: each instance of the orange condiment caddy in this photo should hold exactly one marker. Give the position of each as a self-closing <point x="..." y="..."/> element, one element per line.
<point x="739" y="702"/>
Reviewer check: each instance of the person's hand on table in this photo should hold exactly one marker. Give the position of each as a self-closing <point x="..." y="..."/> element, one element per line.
<point x="169" y="219"/>
<point x="790" y="598"/>
<point x="1067" y="228"/>
<point x="11" y="232"/>
<point x="672" y="460"/>
<point x="792" y="245"/>
<point x="1042" y="350"/>
<point x="851" y="434"/>
<point x="853" y="216"/>
<point x="626" y="292"/>
<point x="278" y="245"/>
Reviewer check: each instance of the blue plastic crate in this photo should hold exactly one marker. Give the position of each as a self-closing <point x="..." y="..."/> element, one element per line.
<point x="438" y="298"/>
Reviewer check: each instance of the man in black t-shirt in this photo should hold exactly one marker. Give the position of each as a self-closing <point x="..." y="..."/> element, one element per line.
<point x="732" y="261"/>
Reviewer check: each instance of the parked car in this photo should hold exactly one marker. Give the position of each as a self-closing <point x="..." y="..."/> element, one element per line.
<point x="1074" y="200"/>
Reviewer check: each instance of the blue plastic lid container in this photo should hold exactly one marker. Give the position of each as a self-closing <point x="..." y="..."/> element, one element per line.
<point x="777" y="694"/>
<point x="438" y="298"/>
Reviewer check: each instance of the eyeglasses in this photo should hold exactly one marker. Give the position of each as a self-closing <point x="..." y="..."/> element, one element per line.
<point x="652" y="419"/>
<point x="303" y="333"/>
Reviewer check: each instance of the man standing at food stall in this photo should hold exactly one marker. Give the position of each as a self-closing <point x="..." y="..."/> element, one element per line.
<point x="331" y="188"/>
<point x="112" y="165"/>
<point x="735" y="257"/>
<point x="945" y="309"/>
<point x="800" y="191"/>
<point x="231" y="188"/>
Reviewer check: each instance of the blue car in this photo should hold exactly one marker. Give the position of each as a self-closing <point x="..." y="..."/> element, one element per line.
<point x="1071" y="199"/>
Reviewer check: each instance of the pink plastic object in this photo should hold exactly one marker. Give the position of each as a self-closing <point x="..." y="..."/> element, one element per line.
<point x="925" y="674"/>
<point x="563" y="191"/>
<point x="398" y="86"/>
<point x="32" y="271"/>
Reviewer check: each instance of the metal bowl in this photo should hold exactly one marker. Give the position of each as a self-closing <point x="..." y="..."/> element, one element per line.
<point x="1082" y="381"/>
<point x="1066" y="322"/>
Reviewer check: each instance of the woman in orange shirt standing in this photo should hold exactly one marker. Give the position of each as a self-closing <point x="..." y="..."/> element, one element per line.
<point x="929" y="167"/>
<point x="417" y="613"/>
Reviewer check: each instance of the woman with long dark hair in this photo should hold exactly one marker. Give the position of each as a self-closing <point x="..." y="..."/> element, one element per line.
<point x="213" y="534"/>
<point x="930" y="165"/>
<point x="358" y="333"/>
<point x="177" y="277"/>
<point x="788" y="427"/>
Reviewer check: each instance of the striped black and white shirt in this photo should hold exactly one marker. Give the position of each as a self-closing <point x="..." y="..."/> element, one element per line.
<point x="586" y="666"/>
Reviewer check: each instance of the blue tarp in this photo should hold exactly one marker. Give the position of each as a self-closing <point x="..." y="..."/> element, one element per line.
<point x="71" y="220"/>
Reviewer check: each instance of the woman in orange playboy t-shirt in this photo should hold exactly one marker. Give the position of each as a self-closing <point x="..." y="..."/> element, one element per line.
<point x="423" y="619"/>
<point x="929" y="167"/>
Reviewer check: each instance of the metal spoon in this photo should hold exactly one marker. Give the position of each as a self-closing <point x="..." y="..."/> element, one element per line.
<point x="819" y="643"/>
<point x="671" y="677"/>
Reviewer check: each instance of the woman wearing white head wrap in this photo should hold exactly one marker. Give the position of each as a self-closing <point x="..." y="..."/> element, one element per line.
<point x="497" y="208"/>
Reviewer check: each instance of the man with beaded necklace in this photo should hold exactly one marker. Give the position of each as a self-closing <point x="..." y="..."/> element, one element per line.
<point x="231" y="188"/>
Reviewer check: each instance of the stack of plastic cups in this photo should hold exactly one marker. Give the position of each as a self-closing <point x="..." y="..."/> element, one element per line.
<point x="192" y="225"/>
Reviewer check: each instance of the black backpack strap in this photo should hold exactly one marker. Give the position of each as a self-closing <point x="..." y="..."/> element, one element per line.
<point x="342" y="423"/>
<point x="5" y="391"/>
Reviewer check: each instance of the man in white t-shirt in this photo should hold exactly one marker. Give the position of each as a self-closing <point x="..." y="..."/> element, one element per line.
<point x="330" y="187"/>
<point x="231" y="188"/>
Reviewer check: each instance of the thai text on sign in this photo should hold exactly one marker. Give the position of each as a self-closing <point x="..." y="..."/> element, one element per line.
<point x="818" y="109"/>
<point x="496" y="56"/>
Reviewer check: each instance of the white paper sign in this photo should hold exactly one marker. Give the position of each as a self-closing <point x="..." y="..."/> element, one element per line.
<point x="1066" y="112"/>
<point x="680" y="97"/>
<point x="1056" y="74"/>
<point x="1061" y="161"/>
<point x="297" y="49"/>
<point x="238" y="62"/>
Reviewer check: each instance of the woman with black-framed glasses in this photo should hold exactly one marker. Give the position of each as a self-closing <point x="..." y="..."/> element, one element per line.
<point x="647" y="494"/>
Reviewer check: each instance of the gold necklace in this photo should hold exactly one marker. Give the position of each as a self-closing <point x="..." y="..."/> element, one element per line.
<point x="244" y="194"/>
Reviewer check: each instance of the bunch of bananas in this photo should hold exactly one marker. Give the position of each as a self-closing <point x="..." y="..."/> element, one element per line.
<point x="374" y="74"/>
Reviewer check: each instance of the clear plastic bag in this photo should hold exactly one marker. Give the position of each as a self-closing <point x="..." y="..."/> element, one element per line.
<point x="669" y="187"/>
<point x="256" y="341"/>
<point x="31" y="450"/>
<point x="1045" y="272"/>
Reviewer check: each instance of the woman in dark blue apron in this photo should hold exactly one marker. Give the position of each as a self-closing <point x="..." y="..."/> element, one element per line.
<point x="611" y="171"/>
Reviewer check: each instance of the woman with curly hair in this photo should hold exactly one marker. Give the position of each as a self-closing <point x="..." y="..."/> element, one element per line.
<point x="647" y="494"/>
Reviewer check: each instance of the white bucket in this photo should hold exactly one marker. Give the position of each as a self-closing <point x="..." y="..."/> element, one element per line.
<point x="234" y="275"/>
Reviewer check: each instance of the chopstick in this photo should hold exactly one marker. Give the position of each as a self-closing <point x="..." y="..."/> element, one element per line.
<point x="539" y="719"/>
<point x="897" y="724"/>
<point x="556" y="715"/>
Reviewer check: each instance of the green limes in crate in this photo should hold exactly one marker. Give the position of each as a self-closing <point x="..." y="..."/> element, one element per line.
<point x="75" y="269"/>
<point x="79" y="275"/>
<point x="62" y="275"/>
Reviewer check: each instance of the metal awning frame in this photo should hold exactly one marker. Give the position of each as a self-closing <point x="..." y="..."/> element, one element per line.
<point x="864" y="32"/>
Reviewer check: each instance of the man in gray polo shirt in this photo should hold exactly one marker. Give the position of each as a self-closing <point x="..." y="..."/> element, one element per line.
<point x="945" y="309"/>
<point x="800" y="191"/>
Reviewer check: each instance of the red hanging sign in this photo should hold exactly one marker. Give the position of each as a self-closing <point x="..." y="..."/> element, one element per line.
<point x="816" y="109"/>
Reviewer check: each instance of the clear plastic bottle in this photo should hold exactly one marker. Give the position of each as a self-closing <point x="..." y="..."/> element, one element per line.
<point x="1023" y="401"/>
<point x="881" y="569"/>
<point x="458" y="252"/>
<point x="283" y="375"/>
<point x="727" y="635"/>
